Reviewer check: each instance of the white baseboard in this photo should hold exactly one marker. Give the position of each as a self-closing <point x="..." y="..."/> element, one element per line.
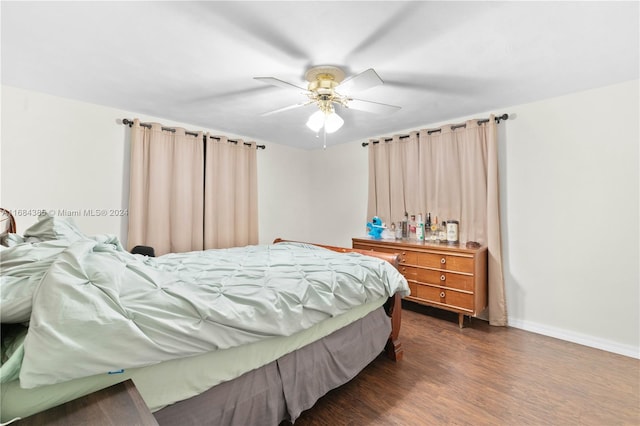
<point x="581" y="339"/>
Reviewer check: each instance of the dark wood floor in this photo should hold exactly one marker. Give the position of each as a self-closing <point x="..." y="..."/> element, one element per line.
<point x="483" y="375"/>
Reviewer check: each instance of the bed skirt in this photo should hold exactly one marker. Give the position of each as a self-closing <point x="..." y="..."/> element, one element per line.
<point x="284" y="388"/>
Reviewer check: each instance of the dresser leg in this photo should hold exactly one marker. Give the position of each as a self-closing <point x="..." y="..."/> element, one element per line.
<point x="460" y="320"/>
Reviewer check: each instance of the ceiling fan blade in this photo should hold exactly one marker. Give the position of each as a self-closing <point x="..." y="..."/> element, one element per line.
<point x="374" y="107"/>
<point x="301" y="104"/>
<point x="280" y="83"/>
<point x="359" y="82"/>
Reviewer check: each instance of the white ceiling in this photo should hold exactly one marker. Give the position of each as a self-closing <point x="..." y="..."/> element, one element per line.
<point x="194" y="62"/>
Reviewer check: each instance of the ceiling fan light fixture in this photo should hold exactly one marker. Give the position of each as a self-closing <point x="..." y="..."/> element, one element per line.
<point x="332" y="122"/>
<point x="316" y="121"/>
<point x="329" y="120"/>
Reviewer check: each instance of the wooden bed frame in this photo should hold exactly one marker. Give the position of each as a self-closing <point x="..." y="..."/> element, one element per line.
<point x="10" y="225"/>
<point x="392" y="307"/>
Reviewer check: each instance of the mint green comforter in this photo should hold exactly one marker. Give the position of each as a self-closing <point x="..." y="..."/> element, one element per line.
<point x="94" y="308"/>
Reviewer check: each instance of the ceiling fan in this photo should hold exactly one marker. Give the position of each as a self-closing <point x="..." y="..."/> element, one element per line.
<point x="327" y="87"/>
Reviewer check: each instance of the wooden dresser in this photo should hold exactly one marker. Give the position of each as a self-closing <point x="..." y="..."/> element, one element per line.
<point x="449" y="277"/>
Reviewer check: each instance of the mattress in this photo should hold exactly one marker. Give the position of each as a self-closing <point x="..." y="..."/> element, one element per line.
<point x="178" y="379"/>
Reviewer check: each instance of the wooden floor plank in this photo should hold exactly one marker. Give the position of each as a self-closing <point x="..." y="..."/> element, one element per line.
<point x="484" y="375"/>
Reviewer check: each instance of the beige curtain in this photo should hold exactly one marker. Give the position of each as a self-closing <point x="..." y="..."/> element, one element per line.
<point x="166" y="187"/>
<point x="452" y="173"/>
<point x="231" y="194"/>
<point x="396" y="176"/>
<point x="453" y="163"/>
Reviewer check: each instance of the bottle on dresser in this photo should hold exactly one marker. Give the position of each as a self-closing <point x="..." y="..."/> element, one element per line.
<point x="420" y="229"/>
<point x="435" y="230"/>
<point x="412" y="227"/>
<point x="399" y="230"/>
<point x="442" y="232"/>
<point x="405" y="225"/>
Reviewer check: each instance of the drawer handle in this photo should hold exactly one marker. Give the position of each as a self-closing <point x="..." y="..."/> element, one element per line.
<point x="443" y="260"/>
<point x="442" y="294"/>
<point x="442" y="277"/>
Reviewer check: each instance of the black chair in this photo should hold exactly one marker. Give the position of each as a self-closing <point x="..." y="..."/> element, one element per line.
<point x="144" y="250"/>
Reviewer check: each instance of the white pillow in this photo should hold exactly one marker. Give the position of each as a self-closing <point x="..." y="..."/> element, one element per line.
<point x="54" y="228"/>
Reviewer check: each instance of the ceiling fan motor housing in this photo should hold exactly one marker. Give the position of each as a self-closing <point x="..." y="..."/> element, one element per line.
<point x="322" y="83"/>
<point x="325" y="84"/>
<point x="326" y="72"/>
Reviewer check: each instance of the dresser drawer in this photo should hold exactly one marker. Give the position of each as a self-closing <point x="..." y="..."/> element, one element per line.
<point x="445" y="279"/>
<point x="408" y="257"/>
<point x="451" y="298"/>
<point x="408" y="272"/>
<point x="378" y="249"/>
<point x="445" y="261"/>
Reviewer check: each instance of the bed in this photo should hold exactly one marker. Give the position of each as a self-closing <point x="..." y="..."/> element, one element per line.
<point x="248" y="335"/>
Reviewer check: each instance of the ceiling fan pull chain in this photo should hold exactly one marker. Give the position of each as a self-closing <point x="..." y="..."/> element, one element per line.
<point x="324" y="131"/>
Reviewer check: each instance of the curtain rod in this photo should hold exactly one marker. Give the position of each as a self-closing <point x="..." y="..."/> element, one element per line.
<point x="453" y="127"/>
<point x="129" y="123"/>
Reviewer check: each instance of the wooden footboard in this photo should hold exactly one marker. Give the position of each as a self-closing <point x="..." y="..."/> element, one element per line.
<point x="392" y="306"/>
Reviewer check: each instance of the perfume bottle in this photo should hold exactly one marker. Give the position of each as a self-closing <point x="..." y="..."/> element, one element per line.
<point x="434" y="231"/>
<point x="405" y="225"/>
<point x="412" y="227"/>
<point x="420" y="229"/>
<point x="442" y="232"/>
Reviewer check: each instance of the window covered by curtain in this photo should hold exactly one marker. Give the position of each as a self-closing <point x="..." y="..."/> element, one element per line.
<point x="451" y="172"/>
<point x="165" y="189"/>
<point x="189" y="194"/>
<point x="393" y="178"/>
<point x="231" y="194"/>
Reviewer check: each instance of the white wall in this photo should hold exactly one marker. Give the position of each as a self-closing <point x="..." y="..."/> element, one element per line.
<point x="569" y="206"/>
<point x="283" y="193"/>
<point x="569" y="190"/>
<point x="59" y="154"/>
<point x="339" y="194"/>
<point x="62" y="155"/>
<point x="571" y="218"/>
